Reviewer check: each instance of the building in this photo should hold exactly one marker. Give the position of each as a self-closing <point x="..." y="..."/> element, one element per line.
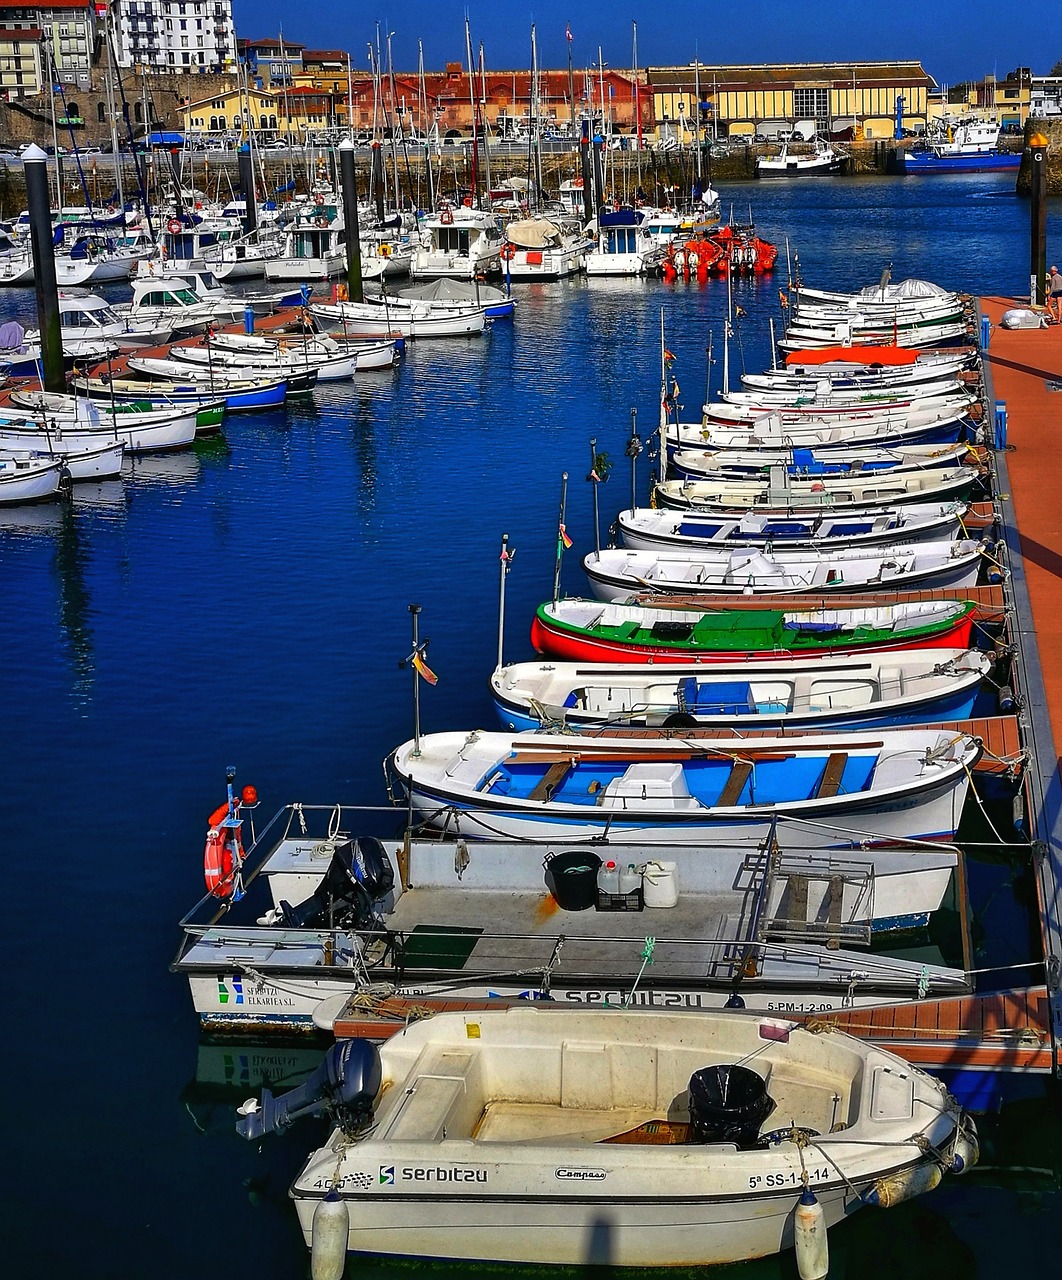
<point x="868" y="98"/>
<point x="229" y="112"/>
<point x="66" y="33"/>
<point x="174" y="35"/>
<point x="271" y="63"/>
<point x="1007" y="101"/>
<point x="21" y="65"/>
<point x="1045" y="97"/>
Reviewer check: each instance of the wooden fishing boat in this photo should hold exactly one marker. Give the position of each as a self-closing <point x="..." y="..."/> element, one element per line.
<point x="81" y="460"/>
<point x="562" y="1136"/>
<point x="829" y="792"/>
<point x="798" y="461"/>
<point x="647" y="529"/>
<point x="73" y="424"/>
<point x="589" y="631"/>
<point x="899" y="414"/>
<point x="781" y="492"/>
<point x="617" y="573"/>
<point x="28" y="477"/>
<point x="898" y="687"/>
<point x="809" y="431"/>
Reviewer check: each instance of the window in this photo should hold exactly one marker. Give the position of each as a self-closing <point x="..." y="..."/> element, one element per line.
<point x="812" y="103"/>
<point x="101" y="112"/>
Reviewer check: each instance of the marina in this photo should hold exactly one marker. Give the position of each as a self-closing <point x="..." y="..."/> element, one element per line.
<point x="313" y="526"/>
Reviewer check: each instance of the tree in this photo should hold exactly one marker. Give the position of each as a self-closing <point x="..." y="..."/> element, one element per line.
<point x="1056" y="70"/>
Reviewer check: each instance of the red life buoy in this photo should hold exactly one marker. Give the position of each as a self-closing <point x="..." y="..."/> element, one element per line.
<point x="223" y="854"/>
<point x="174" y="226"/>
<point x="467" y="202"/>
<point x="320" y="222"/>
<point x="446" y="217"/>
<point x="508" y="251"/>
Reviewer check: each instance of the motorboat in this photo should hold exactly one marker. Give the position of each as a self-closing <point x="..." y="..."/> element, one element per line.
<point x="970" y="146"/>
<point x="314" y="246"/>
<point x="899" y="687"/>
<point x="313" y="917"/>
<point x="624" y="247"/>
<point x="457" y="241"/>
<point x="590" y="631"/>
<point x="647" y="1138"/>
<point x="171" y="301"/>
<point x="540" y="249"/>
<point x="830" y="792"/>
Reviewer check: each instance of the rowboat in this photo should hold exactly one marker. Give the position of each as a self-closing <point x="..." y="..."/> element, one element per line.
<point x="161" y="393"/>
<point x="782" y="492"/>
<point x="695" y="464"/>
<point x="904" y="687"/>
<point x="900" y="414"/>
<point x="647" y="529"/>
<point x="80" y="460"/>
<point x="798" y="337"/>
<point x="825" y="792"/>
<point x="409" y="319"/>
<point x="617" y="573"/>
<point x="70" y="424"/>
<point x="808" y="431"/>
<point x="589" y="631"/>
<point x="266" y="382"/>
<point x="534" y="1135"/>
<point x="829" y="392"/>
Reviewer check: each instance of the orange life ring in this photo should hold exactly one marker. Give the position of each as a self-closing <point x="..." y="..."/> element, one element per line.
<point x="341" y="293"/>
<point x="467" y="202"/>
<point x="508" y="251"/>
<point x="174" y="226"/>
<point x="320" y="222"/>
<point x="223" y="854"/>
<point x="446" y="217"/>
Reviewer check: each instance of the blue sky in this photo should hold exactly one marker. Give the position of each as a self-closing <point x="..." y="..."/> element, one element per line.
<point x="953" y="41"/>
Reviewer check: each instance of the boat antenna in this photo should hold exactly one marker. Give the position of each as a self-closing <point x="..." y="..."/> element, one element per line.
<point x="633" y="449"/>
<point x="595" y="480"/>
<point x="562" y="537"/>
<point x="707" y="379"/>
<point x="506" y="560"/>
<point x="421" y="671"/>
<point x="788" y="264"/>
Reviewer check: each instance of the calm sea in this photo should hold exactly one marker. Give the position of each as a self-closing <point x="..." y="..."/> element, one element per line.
<point x="246" y="604"/>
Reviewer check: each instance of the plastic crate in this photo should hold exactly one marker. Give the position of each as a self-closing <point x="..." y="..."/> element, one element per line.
<point x="620" y="901"/>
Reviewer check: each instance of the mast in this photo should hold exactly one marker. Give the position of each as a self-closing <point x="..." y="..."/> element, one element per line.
<point x="535" y="106"/>
<point x="112" y="114"/>
<point x="697" y="110"/>
<point x="472" y="108"/>
<point x="637" y="103"/>
<point x="483" y="114"/>
<point x="571" y="87"/>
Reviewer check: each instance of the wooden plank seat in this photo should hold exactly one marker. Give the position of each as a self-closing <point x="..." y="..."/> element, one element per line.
<point x="830" y="782"/>
<point x="551" y="780"/>
<point x="735" y="784"/>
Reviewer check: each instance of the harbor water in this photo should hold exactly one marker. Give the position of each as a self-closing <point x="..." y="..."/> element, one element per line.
<point x="246" y="603"/>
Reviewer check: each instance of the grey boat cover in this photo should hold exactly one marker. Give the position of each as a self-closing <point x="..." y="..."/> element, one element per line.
<point x="534" y="233"/>
<point x="444" y="289"/>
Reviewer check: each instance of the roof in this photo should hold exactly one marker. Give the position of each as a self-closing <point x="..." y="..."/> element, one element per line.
<point x="287" y="45"/>
<point x="325" y="55"/>
<point x="46" y="5"/>
<point x="785" y="73"/>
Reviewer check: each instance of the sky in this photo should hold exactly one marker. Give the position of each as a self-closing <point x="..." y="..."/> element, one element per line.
<point x="953" y="41"/>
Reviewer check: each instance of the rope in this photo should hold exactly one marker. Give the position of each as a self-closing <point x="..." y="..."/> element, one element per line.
<point x="647" y="959"/>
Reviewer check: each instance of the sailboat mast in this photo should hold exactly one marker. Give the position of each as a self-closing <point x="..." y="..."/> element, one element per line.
<point x="637" y="103"/>
<point x="472" y="108"/>
<point x="483" y="114"/>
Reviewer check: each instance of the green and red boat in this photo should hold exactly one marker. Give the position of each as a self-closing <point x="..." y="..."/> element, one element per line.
<point x="592" y="631"/>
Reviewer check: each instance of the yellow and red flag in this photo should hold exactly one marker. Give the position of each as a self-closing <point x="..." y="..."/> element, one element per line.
<point x="423" y="670"/>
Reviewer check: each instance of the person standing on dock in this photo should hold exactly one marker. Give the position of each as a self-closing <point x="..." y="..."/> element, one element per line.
<point x="1054" y="295"/>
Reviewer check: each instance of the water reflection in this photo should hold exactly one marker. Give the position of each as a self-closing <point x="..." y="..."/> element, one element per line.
<point x="71" y="564"/>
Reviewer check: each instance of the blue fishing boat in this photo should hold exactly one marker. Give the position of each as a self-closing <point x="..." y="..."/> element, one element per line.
<point x="972" y="147"/>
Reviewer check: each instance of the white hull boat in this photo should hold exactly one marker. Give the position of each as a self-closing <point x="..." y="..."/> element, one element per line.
<point x="617" y="574"/>
<point x="901" y="416"/>
<point x="74" y="423"/>
<point x="824" y="793"/>
<point x="820" y="162"/>
<point x="459" y="242"/>
<point x="880" y="689"/>
<point x="709" y="464"/>
<point x="783" y="492"/>
<point x="91" y="462"/>
<point x="28" y="477"/>
<point x="560" y="1136"/>
<point x="418" y="320"/>
<point x="647" y="529"/>
<point x="802" y="337"/>
<point x="778" y="431"/>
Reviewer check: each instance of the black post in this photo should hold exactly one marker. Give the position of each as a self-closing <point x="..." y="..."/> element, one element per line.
<point x="250" y="221"/>
<point x="599" y="173"/>
<point x="584" y="161"/>
<point x="1038" y="231"/>
<point x="178" y="203"/>
<point x="350" y="219"/>
<point x="36" y="171"/>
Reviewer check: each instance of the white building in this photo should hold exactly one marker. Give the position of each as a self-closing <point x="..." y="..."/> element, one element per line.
<point x="1045" y="97"/>
<point x="175" y="35"/>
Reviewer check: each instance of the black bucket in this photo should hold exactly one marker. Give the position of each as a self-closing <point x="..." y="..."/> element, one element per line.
<point x="572" y="878"/>
<point x="728" y="1104"/>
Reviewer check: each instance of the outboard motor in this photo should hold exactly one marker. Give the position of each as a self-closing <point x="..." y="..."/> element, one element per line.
<point x="728" y="1104"/>
<point x="344" y="1086"/>
<point x="358" y="877"/>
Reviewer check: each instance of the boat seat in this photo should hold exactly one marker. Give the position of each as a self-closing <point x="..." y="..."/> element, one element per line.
<point x="550" y="781"/>
<point x="735" y="784"/>
<point x="830" y="782"/>
<point x="662" y="783"/>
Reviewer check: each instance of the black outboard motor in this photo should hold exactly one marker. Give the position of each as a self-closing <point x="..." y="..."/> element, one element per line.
<point x="728" y="1104"/>
<point x="344" y="1086"/>
<point x="358" y="877"/>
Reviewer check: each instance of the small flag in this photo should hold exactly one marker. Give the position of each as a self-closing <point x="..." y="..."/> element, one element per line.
<point x="565" y="540"/>
<point x="783" y="299"/>
<point x="741" y="313"/>
<point x="594" y="476"/>
<point x="423" y="670"/>
<point x="568" y="31"/>
<point x="669" y="356"/>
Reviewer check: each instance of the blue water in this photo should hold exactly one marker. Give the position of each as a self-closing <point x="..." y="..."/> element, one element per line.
<point x="246" y="603"/>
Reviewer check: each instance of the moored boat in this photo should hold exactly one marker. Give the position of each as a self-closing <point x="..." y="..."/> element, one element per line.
<point x="524" y="1135"/>
<point x="826" y="792"/>
<point x="898" y="687"/>
<point x="588" y="630"/>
